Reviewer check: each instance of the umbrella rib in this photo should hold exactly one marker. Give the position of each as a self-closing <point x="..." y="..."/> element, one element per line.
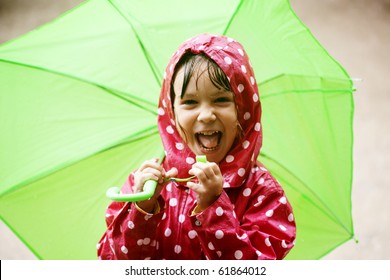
<point x="263" y="83"/>
<point x="232" y="17"/>
<point x="149" y="131"/>
<point x="150" y="61"/>
<point x="268" y="95"/>
<point x="104" y="88"/>
<point x="333" y="216"/>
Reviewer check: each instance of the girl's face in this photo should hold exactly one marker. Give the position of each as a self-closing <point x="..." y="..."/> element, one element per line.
<point x="206" y="116"/>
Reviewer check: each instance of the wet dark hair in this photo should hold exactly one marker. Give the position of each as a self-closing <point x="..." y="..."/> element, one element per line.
<point x="191" y="62"/>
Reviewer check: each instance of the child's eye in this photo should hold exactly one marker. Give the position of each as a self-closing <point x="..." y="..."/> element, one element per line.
<point x="189" y="102"/>
<point x="222" y="100"/>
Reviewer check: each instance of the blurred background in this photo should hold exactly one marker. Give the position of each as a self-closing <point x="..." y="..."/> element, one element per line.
<point x="357" y="34"/>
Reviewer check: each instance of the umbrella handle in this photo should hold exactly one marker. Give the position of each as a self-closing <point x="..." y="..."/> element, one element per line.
<point x="114" y="193"/>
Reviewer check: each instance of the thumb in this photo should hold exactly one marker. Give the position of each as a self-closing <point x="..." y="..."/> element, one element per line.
<point x="171" y="173"/>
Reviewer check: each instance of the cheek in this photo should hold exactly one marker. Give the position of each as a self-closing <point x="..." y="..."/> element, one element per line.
<point x="182" y="124"/>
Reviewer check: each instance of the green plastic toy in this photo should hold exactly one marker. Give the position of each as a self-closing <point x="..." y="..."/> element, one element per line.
<point x="149" y="187"/>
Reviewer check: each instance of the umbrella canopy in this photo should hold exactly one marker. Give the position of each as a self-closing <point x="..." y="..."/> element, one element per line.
<point x="78" y="104"/>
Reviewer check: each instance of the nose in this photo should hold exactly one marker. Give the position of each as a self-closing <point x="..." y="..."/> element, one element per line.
<point x="206" y="114"/>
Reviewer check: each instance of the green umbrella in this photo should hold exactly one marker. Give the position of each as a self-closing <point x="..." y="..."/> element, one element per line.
<point x="78" y="110"/>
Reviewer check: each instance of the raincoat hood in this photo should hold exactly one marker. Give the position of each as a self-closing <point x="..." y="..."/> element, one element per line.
<point x="233" y="60"/>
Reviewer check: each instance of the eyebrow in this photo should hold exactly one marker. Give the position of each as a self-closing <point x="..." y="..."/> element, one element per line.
<point x="214" y="94"/>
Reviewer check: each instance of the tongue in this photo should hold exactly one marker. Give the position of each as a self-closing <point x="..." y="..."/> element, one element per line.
<point x="209" y="141"/>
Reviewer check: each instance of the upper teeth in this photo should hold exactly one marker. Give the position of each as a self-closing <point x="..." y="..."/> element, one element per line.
<point x="208" y="132"/>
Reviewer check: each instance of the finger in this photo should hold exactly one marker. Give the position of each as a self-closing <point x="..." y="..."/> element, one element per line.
<point x="215" y="168"/>
<point x="142" y="178"/>
<point x="153" y="163"/>
<point x="171" y="173"/>
<point x="195" y="187"/>
<point x="199" y="173"/>
<point x="154" y="171"/>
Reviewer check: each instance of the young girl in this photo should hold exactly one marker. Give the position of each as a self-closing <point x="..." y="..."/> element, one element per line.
<point x="233" y="208"/>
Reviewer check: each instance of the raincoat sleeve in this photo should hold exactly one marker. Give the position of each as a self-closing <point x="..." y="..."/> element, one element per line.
<point x="126" y="227"/>
<point x="259" y="225"/>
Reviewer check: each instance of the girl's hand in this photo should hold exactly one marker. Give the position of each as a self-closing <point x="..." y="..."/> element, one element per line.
<point x="210" y="184"/>
<point x="151" y="170"/>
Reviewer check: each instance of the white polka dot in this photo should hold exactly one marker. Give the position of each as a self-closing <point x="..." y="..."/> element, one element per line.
<point x="258" y="253"/>
<point x="238" y="254"/>
<point x="229" y="158"/>
<point x="241" y="172"/>
<point x="161" y="111"/>
<point x="153" y="243"/>
<point x="219" y="234"/>
<point x="168" y="188"/>
<point x="170" y="129"/>
<point x="228" y="60"/>
<point x="230" y="39"/>
<point x="173" y="202"/>
<point x="284" y="245"/>
<point x="168" y="232"/>
<point x="282" y="227"/>
<point x="179" y="146"/>
<point x="240" y="88"/>
<point x="269" y="213"/>
<point x="283" y="200"/>
<point x="219" y="253"/>
<point x="211" y="246"/>
<point x="247" y="116"/>
<point x="264" y="169"/>
<point x="247" y="192"/>
<point x="261" y="181"/>
<point x="98" y="246"/>
<point x="241" y="52"/>
<point x="192" y="234"/>
<point x="252" y="81"/>
<point x="165" y="75"/>
<point x="190" y="160"/>
<point x="290" y="217"/>
<point x="140" y="242"/>
<point x="226" y="185"/>
<point x="242" y="237"/>
<point x="147" y="258"/>
<point x="243" y="68"/>
<point x="267" y="242"/>
<point x="130" y="225"/>
<point x="124" y="250"/>
<point x="164" y="103"/>
<point x="182" y="218"/>
<point x="164" y="216"/>
<point x="219" y="211"/>
<point x="255" y="97"/>
<point x="177" y="249"/>
<point x="260" y="198"/>
<point x="257" y="126"/>
<point x="147" y="216"/>
<point x="146" y="241"/>
<point x="246" y="144"/>
<point x="171" y="68"/>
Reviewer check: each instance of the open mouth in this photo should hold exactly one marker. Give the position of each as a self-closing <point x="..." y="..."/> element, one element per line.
<point x="208" y="140"/>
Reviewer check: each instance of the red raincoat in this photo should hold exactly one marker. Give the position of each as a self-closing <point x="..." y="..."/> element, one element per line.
<point x="252" y="218"/>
